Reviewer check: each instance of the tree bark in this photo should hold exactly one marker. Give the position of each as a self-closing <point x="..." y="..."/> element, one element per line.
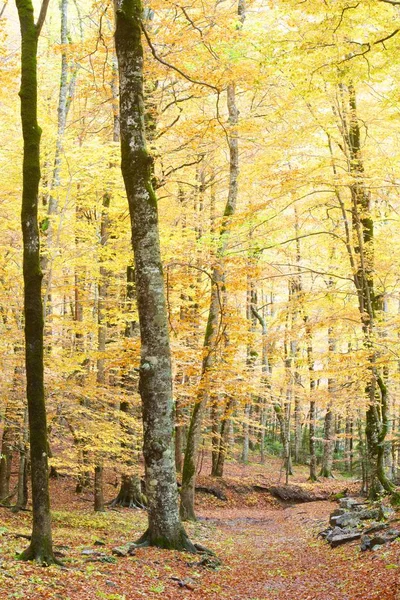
<point x="327" y="456"/>
<point x="368" y="301"/>
<point x="7" y="444"/>
<point x="22" y="486"/>
<point x="98" y="489"/>
<point x="155" y="377"/>
<point x="41" y="547"/>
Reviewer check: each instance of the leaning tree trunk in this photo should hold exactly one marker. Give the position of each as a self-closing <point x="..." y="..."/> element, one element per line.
<point x="40" y="548"/>
<point x="155" y="376"/>
<point x="212" y="336"/>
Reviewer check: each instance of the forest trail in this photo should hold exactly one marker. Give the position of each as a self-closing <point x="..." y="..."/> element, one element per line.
<point x="267" y="551"/>
<point x="276" y="554"/>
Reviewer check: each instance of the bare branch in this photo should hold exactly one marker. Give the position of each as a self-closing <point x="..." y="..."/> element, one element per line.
<point x="166" y="64"/>
<point x="3" y="8"/>
<point x="388" y="36"/>
<point x="42" y="16"/>
<point x="342" y="15"/>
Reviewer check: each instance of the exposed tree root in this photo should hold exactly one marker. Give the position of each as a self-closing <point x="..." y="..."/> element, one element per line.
<point x="181" y="543"/>
<point x="41" y="556"/>
<point x="130" y="494"/>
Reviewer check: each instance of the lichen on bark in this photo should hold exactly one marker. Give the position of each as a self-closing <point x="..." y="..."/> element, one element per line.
<point x="155" y="375"/>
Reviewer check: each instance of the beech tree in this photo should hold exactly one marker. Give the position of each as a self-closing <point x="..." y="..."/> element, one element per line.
<point x="155" y="376"/>
<point x="40" y="548"/>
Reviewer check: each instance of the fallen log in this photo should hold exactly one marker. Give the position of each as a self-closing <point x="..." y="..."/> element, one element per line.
<point x="211" y="490"/>
<point x="296" y="494"/>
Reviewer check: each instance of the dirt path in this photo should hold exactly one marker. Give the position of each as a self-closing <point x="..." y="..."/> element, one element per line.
<point x="276" y="554"/>
<point x="267" y="553"/>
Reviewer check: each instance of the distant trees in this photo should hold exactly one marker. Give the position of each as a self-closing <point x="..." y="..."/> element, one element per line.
<point x="281" y="294"/>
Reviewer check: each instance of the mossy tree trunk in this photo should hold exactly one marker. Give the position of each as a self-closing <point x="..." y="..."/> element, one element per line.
<point x="362" y="261"/>
<point x="155" y="376"/>
<point x="40" y="548"/>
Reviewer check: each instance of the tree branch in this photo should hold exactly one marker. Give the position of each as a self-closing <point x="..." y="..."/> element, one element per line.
<point x="166" y="64"/>
<point x="42" y="16"/>
<point x="3" y="8"/>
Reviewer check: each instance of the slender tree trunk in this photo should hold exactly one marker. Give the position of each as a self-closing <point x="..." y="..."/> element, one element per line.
<point x="178" y="436"/>
<point x="218" y="468"/>
<point x="245" y="448"/>
<point x="155" y="376"/>
<point x="98" y="489"/>
<point x="348" y="448"/>
<point x="363" y="228"/>
<point x="22" y="486"/>
<point x="310" y="361"/>
<point x="41" y="547"/>
<point x="329" y="429"/>
<point x="7" y="446"/>
<point x="212" y="334"/>
<point x="64" y="101"/>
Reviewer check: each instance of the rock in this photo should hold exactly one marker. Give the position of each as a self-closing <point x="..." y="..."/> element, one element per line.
<point x="89" y="552"/>
<point x="368" y="513"/>
<point x="365" y="543"/>
<point x="341" y="536"/>
<point x="348" y="503"/>
<point x="349" y="519"/>
<point x="334" y="515"/>
<point x="99" y="543"/>
<point x="384" y="538"/>
<point x="296" y="494"/>
<point x="187" y="583"/>
<point x="385" y="512"/>
<point x="111" y="583"/>
<point x="374" y="527"/>
<point x="126" y="550"/>
<point x="324" y="534"/>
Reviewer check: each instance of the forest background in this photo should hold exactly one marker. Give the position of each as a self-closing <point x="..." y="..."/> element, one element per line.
<point x="274" y="134"/>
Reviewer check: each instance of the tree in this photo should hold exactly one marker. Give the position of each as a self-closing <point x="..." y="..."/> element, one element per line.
<point x="40" y="548"/>
<point x="155" y="377"/>
<point x="212" y="335"/>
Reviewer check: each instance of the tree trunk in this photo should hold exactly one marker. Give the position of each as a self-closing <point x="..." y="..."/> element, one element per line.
<point x="6" y="456"/>
<point x="211" y="337"/>
<point x="363" y="269"/>
<point x="64" y="102"/>
<point x="41" y="547"/>
<point x="178" y="436"/>
<point x="218" y="467"/>
<point x="310" y="362"/>
<point x="155" y="377"/>
<point x="244" y="458"/>
<point x="327" y="456"/>
<point x="22" y="486"/>
<point x="98" y="489"/>
<point x="130" y="493"/>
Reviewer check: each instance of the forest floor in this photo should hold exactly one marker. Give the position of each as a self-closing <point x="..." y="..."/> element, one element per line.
<point x="267" y="551"/>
